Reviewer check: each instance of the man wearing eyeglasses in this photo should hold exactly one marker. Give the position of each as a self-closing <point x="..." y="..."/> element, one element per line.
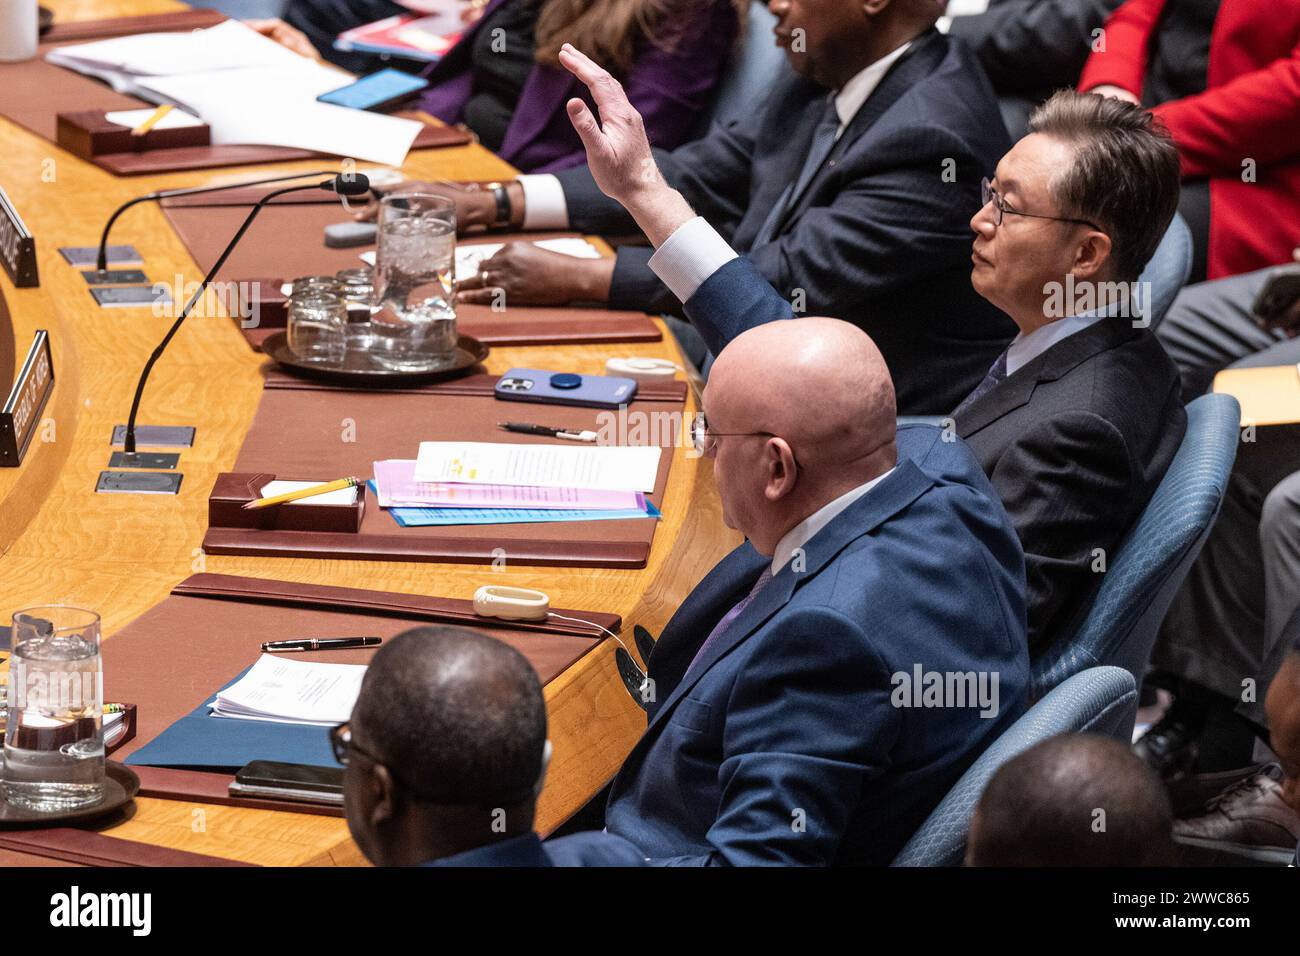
<point x="828" y="681"/>
<point x="1078" y="420"/>
<point x="444" y="758"/>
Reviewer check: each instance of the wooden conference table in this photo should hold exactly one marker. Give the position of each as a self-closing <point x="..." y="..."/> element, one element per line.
<point x="121" y="554"/>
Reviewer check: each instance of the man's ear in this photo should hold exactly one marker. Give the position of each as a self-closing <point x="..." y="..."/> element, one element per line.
<point x="1091" y="255"/>
<point x="782" y="473"/>
<point x="383" y="795"/>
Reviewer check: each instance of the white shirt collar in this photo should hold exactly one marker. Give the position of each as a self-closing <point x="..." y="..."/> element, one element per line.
<point x="808" y="528"/>
<point x="1025" y="348"/>
<point x="855" y="92"/>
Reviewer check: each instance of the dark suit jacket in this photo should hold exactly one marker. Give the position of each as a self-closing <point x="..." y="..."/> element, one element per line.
<point x="670" y="87"/>
<point x="785" y="743"/>
<point x="879" y="237"/>
<point x="1075" y="443"/>
<point x="1031" y="47"/>
<point x="579" y="849"/>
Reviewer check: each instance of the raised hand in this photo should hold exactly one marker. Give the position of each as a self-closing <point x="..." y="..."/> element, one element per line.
<point x="618" y="151"/>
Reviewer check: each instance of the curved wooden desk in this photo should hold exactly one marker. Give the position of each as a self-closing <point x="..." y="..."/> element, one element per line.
<point x="121" y="554"/>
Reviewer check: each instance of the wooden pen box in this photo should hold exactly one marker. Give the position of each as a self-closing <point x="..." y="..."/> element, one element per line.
<point x="233" y="490"/>
<point x="88" y="133"/>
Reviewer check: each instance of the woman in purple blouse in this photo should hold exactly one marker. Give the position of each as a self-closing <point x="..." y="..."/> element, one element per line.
<point x="504" y="82"/>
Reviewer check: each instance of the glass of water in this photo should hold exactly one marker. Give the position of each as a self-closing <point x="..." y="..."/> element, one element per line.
<point x="54" y="744"/>
<point x="318" y="327"/>
<point x="415" y="283"/>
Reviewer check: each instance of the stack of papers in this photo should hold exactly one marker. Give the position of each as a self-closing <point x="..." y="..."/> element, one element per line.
<point x="282" y="690"/>
<point x="453" y="483"/>
<point x="247" y="88"/>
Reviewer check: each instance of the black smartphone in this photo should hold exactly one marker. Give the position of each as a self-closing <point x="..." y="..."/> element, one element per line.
<point x="1280" y="292"/>
<point x="289" y="781"/>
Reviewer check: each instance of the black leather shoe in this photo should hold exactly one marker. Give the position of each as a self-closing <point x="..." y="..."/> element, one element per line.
<point x="1249" y="820"/>
<point x="1169" y="747"/>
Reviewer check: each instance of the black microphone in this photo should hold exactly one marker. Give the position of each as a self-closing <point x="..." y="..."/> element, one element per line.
<point x="344" y="184"/>
<point x="348" y="184"/>
<point x="101" y="262"/>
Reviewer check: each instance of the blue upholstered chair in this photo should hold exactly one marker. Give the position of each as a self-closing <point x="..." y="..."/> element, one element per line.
<point x="1101" y="700"/>
<point x="1168" y="269"/>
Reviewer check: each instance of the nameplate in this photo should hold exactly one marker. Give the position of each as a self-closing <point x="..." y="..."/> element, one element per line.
<point x="17" y="247"/>
<point x="22" y="409"/>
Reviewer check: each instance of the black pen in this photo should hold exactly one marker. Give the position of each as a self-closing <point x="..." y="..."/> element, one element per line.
<point x="319" y="644"/>
<point x="524" y="428"/>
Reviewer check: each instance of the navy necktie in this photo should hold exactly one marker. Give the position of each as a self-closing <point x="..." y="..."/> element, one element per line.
<point x="729" y="618"/>
<point x="994" y="377"/>
<point x="823" y="141"/>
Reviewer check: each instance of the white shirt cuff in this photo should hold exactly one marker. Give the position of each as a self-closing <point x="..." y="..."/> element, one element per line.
<point x="544" y="203"/>
<point x="690" y="256"/>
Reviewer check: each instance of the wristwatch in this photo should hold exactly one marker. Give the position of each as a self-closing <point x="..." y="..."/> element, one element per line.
<point x="505" y="210"/>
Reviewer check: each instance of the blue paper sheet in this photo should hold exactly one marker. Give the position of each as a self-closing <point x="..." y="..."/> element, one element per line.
<point x="199" y="741"/>
<point x="422" y="517"/>
<point x="426" y="517"/>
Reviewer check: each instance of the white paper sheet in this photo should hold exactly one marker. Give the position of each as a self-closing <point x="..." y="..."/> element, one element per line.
<point x="277" y="107"/>
<point x="344" y="496"/>
<point x="285" y="690"/>
<point x="247" y="88"/>
<point x="227" y="46"/>
<point x="604" y="468"/>
<point x="176" y="119"/>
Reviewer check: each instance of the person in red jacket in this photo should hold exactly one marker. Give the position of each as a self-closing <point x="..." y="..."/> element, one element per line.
<point x="1225" y="78"/>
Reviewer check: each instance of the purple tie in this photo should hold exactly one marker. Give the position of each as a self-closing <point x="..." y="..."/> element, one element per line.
<point x="994" y="378"/>
<point x="730" y="616"/>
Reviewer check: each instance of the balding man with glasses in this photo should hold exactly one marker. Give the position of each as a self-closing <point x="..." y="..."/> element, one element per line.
<point x="828" y="681"/>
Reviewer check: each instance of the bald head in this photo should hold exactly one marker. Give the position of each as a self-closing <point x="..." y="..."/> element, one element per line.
<point x="821" y="384"/>
<point x="1073" y="800"/>
<point x="447" y="749"/>
<point x="820" y="388"/>
<point x="457" y="715"/>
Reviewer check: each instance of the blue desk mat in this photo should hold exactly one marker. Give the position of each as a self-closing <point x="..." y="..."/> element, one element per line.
<point x="199" y="741"/>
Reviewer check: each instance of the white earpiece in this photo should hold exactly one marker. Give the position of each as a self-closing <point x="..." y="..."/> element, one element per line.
<point x="511" y="604"/>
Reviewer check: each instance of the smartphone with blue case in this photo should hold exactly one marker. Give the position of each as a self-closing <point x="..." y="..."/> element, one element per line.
<point x="564" y="388"/>
<point x="378" y="91"/>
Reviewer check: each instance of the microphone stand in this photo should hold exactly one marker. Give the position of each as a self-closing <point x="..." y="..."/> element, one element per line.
<point x="101" y="263"/>
<point x="355" y="185"/>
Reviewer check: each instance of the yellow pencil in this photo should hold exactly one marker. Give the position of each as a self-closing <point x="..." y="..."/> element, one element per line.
<point x="304" y="493"/>
<point x="152" y="120"/>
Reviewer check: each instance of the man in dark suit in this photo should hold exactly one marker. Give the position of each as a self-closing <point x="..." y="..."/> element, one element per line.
<point x="1077" y="421"/>
<point x="828" y="681"/>
<point x="444" y="757"/>
<point x="853" y="200"/>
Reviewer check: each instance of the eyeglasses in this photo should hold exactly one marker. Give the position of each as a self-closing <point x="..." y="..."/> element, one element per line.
<point x="705" y="439"/>
<point x="1001" y="207"/>
<point x="343" y="745"/>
